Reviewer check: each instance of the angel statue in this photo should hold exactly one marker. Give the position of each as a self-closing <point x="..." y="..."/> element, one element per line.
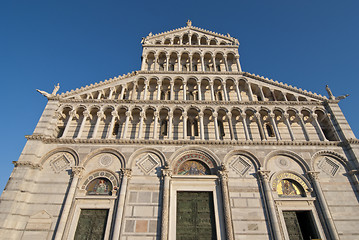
<point x="331" y="96"/>
<point x="46" y="94"/>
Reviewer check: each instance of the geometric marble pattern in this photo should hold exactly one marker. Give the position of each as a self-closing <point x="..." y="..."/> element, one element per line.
<point x="147" y="164"/>
<point x="240" y="166"/>
<point x="329" y="167"/>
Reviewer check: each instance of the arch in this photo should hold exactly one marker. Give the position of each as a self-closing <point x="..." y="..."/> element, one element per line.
<point x="287" y="153"/>
<point x="154" y="151"/>
<point x="62" y="149"/>
<point x="332" y="154"/>
<point x="100" y="173"/>
<point x="292" y="175"/>
<point x="119" y="155"/>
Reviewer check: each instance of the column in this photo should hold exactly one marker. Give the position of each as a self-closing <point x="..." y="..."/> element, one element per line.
<point x="86" y="114"/>
<point x="239" y="97"/>
<point x="166" y="178"/>
<point x="212" y="91"/>
<point x="238" y="64"/>
<point x="200" y="115"/>
<point x="122" y="92"/>
<point x="273" y="95"/>
<point x="128" y="115"/>
<point x="171" y="90"/>
<point x="225" y="63"/>
<point x="184" y="120"/>
<point x="170" y="120"/>
<point x="260" y="126"/>
<point x="223" y="178"/>
<point x="274" y="124"/>
<point x="75" y="175"/>
<point x="72" y="113"/>
<point x="261" y="93"/>
<point x="158" y="90"/>
<point x="245" y="126"/>
<point x="214" y="64"/>
<point x="125" y="174"/>
<point x="202" y="63"/>
<point x="100" y="115"/>
<point x="229" y="117"/>
<point x="179" y="62"/>
<point x="167" y="62"/>
<point x="305" y="132"/>
<point x="190" y="62"/>
<point x="112" y="124"/>
<point x="225" y="90"/>
<point x="154" y="63"/>
<point x="286" y="120"/>
<point x="250" y="91"/>
<point x="155" y="122"/>
<point x="112" y="90"/>
<point x="99" y="94"/>
<point x="323" y="204"/>
<point x="145" y="90"/>
<point x="184" y="90"/>
<point x="142" y="116"/>
<point x="199" y="90"/>
<point x="215" y="122"/>
<point x="264" y="178"/>
<point x="319" y="128"/>
<point x="133" y="95"/>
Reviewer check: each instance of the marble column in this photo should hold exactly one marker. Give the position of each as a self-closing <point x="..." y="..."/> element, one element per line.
<point x="250" y="92"/>
<point x="224" y="85"/>
<point x="140" y="128"/>
<point x="100" y="115"/>
<point x="166" y="178"/>
<point x="112" y="124"/>
<point x="225" y="64"/>
<point x="72" y="114"/>
<point x="200" y="115"/>
<point x="301" y="121"/>
<point x="155" y="123"/>
<point x="145" y="90"/>
<point x="287" y="122"/>
<point x="214" y="64"/>
<point x="144" y="58"/>
<point x="332" y="125"/>
<point x="75" y="175"/>
<point x="190" y="62"/>
<point x="245" y="126"/>
<point x="122" y="92"/>
<point x="158" y="90"/>
<point x="261" y="93"/>
<point x="167" y="62"/>
<point x="125" y="175"/>
<point x="199" y="90"/>
<point x="215" y="123"/>
<point x="154" y="63"/>
<point x="128" y="115"/>
<point x="170" y="125"/>
<point x="184" y="90"/>
<point x="239" y="97"/>
<point x="238" y="64"/>
<point x="260" y="126"/>
<point x="171" y="90"/>
<point x="318" y="127"/>
<point x="112" y="90"/>
<point x="202" y="63"/>
<point x="274" y="124"/>
<point x="86" y="114"/>
<point x="212" y="91"/>
<point x="179" y="62"/>
<point x="223" y="178"/>
<point x="323" y="204"/>
<point x="264" y="177"/>
<point x="231" y="131"/>
<point x="99" y="94"/>
<point x="184" y="120"/>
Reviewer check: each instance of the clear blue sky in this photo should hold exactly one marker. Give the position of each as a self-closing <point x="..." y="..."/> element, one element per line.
<point x="303" y="43"/>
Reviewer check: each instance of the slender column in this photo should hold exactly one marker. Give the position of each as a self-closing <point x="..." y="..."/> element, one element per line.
<point x="86" y="115"/>
<point x="75" y="175"/>
<point x="170" y="119"/>
<point x="155" y="122"/>
<point x="250" y="91"/>
<point x="286" y="120"/>
<point x="122" y="91"/>
<point x="72" y="113"/>
<point x="167" y="62"/>
<point x="229" y="117"/>
<point x="112" y="90"/>
<point x="154" y="63"/>
<point x="300" y="117"/>
<point x="166" y="178"/>
<point x="144" y="57"/>
<point x="202" y="63"/>
<point x="158" y="90"/>
<point x="128" y="115"/>
<point x="200" y="115"/>
<point x="214" y="64"/>
<point x="184" y="90"/>
<point x="261" y="93"/>
<point x="199" y="90"/>
<point x="145" y="90"/>
<point x="223" y="178"/>
<point x="142" y="116"/>
<point x="215" y="122"/>
<point x="171" y="90"/>
<point x="285" y="97"/>
<point x="245" y="126"/>
<point x="225" y="91"/>
<point x="239" y="97"/>
<point x="238" y="64"/>
<point x="112" y="124"/>
<point x="100" y="115"/>
<point x="125" y="174"/>
<point x="184" y="120"/>
<point x="212" y="91"/>
<point x="273" y="95"/>
<point x="260" y="126"/>
<point x="133" y="95"/>
<point x="323" y="205"/>
<point x="264" y="177"/>
<point x="225" y="64"/>
<point x="274" y="124"/>
<point x="319" y="128"/>
<point x="99" y="94"/>
<point x="179" y="62"/>
<point x="190" y="62"/>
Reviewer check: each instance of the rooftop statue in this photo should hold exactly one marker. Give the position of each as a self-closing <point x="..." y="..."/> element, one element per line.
<point x="53" y="94"/>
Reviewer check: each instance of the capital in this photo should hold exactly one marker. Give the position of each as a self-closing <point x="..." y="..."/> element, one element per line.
<point x="271" y="115"/>
<point x="100" y="114"/>
<point x="86" y="114"/>
<point x="170" y="114"/>
<point x="243" y="115"/>
<point x="112" y="89"/>
<point x="166" y="172"/>
<point x="285" y="115"/>
<point x="315" y="116"/>
<point x="156" y="114"/>
<point x="200" y="114"/>
<point x="114" y="113"/>
<point x="184" y="114"/>
<point x="264" y="174"/>
<point x="77" y="171"/>
<point x="313" y="175"/>
<point x="128" y="114"/>
<point x="126" y="172"/>
<point x="72" y="113"/>
<point x="229" y="115"/>
<point x="215" y="114"/>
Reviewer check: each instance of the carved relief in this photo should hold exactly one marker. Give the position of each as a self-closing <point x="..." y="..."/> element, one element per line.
<point x="60" y="161"/>
<point x="329" y="167"/>
<point x="240" y="166"/>
<point x="105" y="160"/>
<point x="147" y="164"/>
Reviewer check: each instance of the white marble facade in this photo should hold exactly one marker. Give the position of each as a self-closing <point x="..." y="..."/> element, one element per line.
<point x="190" y="101"/>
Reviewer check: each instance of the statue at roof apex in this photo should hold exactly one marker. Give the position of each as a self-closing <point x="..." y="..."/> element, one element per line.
<point x="189" y="23"/>
<point x="331" y="96"/>
<point x="53" y="94"/>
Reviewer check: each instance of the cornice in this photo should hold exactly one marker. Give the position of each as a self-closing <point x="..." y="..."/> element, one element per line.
<point x="190" y="46"/>
<point x="51" y="140"/>
<point x="28" y="164"/>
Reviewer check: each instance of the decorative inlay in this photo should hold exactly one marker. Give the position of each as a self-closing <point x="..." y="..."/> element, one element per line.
<point x="60" y="163"/>
<point x="282" y="163"/>
<point x="193" y="167"/>
<point x="193" y="156"/>
<point x="240" y="166"/>
<point x="147" y="164"/>
<point x="105" y="160"/>
<point x="101" y="175"/>
<point x="329" y="167"/>
<point x="289" y="176"/>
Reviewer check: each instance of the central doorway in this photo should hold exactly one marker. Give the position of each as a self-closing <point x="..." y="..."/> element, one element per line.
<point x="300" y="225"/>
<point x="195" y="216"/>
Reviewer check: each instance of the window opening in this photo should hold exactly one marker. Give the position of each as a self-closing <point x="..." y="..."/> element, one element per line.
<point x="300" y="225"/>
<point x="92" y="224"/>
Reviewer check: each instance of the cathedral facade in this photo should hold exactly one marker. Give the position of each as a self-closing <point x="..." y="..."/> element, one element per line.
<point x="188" y="147"/>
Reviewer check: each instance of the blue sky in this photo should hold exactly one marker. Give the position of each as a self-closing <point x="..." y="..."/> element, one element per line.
<point x="307" y="44"/>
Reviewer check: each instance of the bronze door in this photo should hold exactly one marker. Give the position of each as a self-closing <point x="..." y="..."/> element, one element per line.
<point x="92" y="224"/>
<point x="195" y="216"/>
